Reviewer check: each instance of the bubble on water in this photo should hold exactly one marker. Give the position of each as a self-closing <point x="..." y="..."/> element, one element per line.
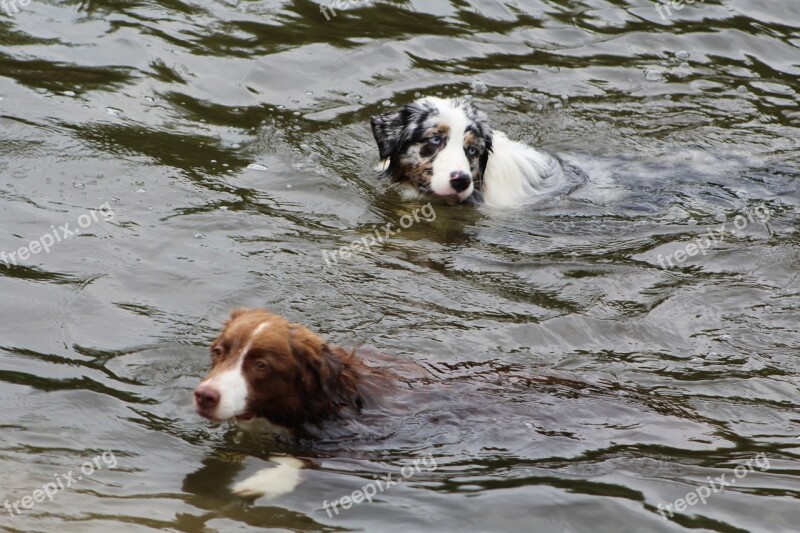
<point x="564" y="97"/>
<point x="353" y="97"/>
<point x="68" y="93"/>
<point x="140" y="191"/>
<point x="713" y="356"/>
<point x="78" y="185"/>
<point x="309" y="93"/>
<point x="557" y="106"/>
<point x="553" y="69"/>
<point x="315" y="156"/>
<point x="742" y="89"/>
<point x="113" y="111"/>
<point x="654" y="75"/>
<point x="478" y="87"/>
<point x="692" y="222"/>
<point x="236" y="146"/>
<point x="725" y="337"/>
<point x="683" y="55"/>
<point x="257" y="166"/>
<point x="224" y="208"/>
<point x="720" y="217"/>
<point x="149" y="99"/>
<point x="386" y="103"/>
<point x="213" y="160"/>
<point x="199" y="236"/>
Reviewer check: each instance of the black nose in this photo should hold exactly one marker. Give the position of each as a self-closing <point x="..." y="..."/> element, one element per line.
<point x="206" y="398"/>
<point x="460" y="181"/>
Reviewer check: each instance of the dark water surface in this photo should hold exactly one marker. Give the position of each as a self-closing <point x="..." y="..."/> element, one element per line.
<point x="230" y="145"/>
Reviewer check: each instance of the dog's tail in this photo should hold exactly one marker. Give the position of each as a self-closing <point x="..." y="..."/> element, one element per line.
<point x="516" y="173"/>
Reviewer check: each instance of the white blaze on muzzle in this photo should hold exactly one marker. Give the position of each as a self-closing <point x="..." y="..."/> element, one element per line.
<point x="232" y="385"/>
<point x="452" y="157"/>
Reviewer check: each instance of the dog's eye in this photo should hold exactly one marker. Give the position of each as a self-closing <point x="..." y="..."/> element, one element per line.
<point x="216" y="352"/>
<point x="261" y="366"/>
<point x="435" y="140"/>
<point x="472" y="151"/>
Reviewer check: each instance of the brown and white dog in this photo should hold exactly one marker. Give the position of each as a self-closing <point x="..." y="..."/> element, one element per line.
<point x="280" y="376"/>
<point x="446" y="147"/>
<point x="268" y="369"/>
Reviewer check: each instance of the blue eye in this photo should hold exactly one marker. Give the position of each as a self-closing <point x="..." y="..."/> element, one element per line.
<point x="472" y="151"/>
<point x="435" y="140"/>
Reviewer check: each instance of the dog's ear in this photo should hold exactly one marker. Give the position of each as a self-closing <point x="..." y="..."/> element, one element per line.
<point x="319" y="366"/>
<point x="488" y="138"/>
<point x="389" y="131"/>
<point x="236" y="313"/>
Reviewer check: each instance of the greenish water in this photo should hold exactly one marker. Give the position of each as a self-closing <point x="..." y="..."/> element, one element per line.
<point x="225" y="145"/>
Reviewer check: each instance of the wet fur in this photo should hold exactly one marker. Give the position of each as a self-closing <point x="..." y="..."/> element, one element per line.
<point x="305" y="381"/>
<point x="503" y="172"/>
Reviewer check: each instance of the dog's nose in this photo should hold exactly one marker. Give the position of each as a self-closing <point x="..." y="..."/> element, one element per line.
<point x="460" y="181"/>
<point x="206" y="397"/>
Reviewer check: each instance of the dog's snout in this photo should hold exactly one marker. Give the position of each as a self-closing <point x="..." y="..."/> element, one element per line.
<point x="206" y="397"/>
<point x="460" y="181"/>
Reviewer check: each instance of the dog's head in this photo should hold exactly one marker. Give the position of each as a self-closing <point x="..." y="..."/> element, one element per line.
<point x="438" y="146"/>
<point x="265" y="367"/>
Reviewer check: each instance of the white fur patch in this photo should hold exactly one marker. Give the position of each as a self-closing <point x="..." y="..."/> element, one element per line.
<point x="516" y="173"/>
<point x="272" y="482"/>
<point x="452" y="157"/>
<point x="232" y="385"/>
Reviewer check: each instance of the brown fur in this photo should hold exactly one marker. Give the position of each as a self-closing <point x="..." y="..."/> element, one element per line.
<point x="294" y="378"/>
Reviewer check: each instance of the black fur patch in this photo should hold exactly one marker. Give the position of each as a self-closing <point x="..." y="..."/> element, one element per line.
<point x="394" y="130"/>
<point x="400" y="136"/>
